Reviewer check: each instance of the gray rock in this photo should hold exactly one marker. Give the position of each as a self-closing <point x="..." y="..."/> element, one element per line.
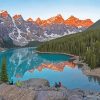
<point x="75" y="97"/>
<point x="38" y="89"/>
<point x="52" y="95"/>
<point x="42" y="96"/>
<point x="1" y="98"/>
<point x="87" y="92"/>
<point x="92" y="97"/>
<point x="11" y="92"/>
<point x="37" y="83"/>
<point x="76" y="92"/>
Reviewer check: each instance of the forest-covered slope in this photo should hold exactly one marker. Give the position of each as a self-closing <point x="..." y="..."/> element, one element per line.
<point x="85" y="44"/>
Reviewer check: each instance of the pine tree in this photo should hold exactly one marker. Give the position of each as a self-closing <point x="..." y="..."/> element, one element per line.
<point x="4" y="76"/>
<point x="93" y="61"/>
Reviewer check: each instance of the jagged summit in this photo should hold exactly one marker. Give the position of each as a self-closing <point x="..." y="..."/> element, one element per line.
<point x="30" y="20"/>
<point x="17" y="16"/>
<point x="38" y="21"/>
<point x="58" y="19"/>
<point x="73" y="18"/>
<point x="74" y="21"/>
<point x="4" y="13"/>
<point x="20" y="32"/>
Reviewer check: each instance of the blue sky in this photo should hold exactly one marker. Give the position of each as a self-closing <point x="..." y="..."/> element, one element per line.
<point x="48" y="8"/>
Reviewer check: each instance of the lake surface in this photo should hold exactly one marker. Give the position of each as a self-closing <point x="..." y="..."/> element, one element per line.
<point x="25" y="63"/>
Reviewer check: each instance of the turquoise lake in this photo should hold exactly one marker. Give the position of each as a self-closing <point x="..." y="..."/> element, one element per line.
<point x="22" y="64"/>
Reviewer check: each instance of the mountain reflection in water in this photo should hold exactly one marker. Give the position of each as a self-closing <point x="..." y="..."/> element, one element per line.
<point x="22" y="60"/>
<point x="26" y="63"/>
<point x="57" y="67"/>
<point x="53" y="66"/>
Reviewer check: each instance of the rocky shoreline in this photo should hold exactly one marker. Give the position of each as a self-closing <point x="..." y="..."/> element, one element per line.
<point x="85" y="68"/>
<point x="2" y="49"/>
<point x="57" y="53"/>
<point x="39" y="89"/>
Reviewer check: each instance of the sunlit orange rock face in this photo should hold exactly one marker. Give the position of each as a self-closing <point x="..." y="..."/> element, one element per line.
<point x="73" y="21"/>
<point x="86" y="22"/>
<point x="39" y="21"/>
<point x="57" y="19"/>
<point x="30" y="20"/>
<point x="50" y="66"/>
<point x="57" y="67"/>
<point x="17" y="17"/>
<point x="4" y="14"/>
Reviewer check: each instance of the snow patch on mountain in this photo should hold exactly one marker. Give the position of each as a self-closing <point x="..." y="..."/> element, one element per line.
<point x="17" y="39"/>
<point x="21" y="32"/>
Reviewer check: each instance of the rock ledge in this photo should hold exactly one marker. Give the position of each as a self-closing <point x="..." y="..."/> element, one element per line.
<point x="39" y="89"/>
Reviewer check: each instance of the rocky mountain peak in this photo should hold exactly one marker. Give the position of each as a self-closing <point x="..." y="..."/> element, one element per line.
<point x="73" y="21"/>
<point x="4" y="14"/>
<point x="38" y="21"/>
<point x="30" y="20"/>
<point x="17" y="17"/>
<point x="72" y="18"/>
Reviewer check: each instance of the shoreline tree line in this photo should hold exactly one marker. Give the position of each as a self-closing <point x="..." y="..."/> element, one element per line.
<point x="84" y="44"/>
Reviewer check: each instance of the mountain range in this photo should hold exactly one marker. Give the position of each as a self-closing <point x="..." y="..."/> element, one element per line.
<point x="85" y="44"/>
<point x="19" y="32"/>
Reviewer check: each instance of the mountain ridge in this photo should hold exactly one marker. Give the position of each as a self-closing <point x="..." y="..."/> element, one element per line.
<point x="85" y="44"/>
<point x="74" y="21"/>
<point x="21" y="32"/>
<point x="56" y="19"/>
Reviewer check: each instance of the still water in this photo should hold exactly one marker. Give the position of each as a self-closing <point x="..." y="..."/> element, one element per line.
<point x="26" y="63"/>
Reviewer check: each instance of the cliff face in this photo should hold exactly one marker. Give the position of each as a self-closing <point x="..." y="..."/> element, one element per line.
<point x="38" y="89"/>
<point x="17" y="31"/>
<point x="73" y="21"/>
